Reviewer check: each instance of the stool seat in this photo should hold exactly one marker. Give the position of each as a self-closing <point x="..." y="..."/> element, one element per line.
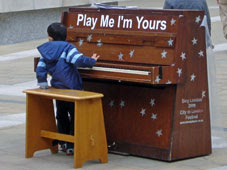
<point x="89" y="131"/>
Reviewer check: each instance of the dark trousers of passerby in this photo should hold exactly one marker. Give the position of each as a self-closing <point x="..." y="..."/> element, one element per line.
<point x="65" y="119"/>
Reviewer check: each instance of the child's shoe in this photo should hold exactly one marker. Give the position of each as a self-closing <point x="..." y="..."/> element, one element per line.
<point x="69" y="151"/>
<point x="63" y="147"/>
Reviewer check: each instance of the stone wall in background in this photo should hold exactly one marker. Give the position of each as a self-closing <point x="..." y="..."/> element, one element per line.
<point x="24" y="5"/>
<point x="27" y="22"/>
<point x="28" y="25"/>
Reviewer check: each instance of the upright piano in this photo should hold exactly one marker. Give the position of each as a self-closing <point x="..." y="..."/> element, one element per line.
<point x="153" y="74"/>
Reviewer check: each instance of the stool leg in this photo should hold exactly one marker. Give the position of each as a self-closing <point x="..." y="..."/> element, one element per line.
<point x="39" y="116"/>
<point x="90" y="137"/>
<point x="77" y="163"/>
<point x="104" y="159"/>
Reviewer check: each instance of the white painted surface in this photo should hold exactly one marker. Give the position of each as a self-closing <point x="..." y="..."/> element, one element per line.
<point x="219" y="168"/>
<point x="16" y="89"/>
<point x="19" y="55"/>
<point x="220" y="47"/>
<point x="215" y="19"/>
<point x="12" y="120"/>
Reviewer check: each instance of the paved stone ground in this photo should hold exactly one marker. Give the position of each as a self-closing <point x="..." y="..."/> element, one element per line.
<point x="16" y="74"/>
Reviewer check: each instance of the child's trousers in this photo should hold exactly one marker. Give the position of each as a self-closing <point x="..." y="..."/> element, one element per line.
<point x="65" y="119"/>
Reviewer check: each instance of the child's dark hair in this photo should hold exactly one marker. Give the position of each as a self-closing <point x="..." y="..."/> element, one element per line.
<point x="57" y="31"/>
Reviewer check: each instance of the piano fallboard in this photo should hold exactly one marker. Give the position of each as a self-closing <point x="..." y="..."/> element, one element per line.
<point x="154" y="75"/>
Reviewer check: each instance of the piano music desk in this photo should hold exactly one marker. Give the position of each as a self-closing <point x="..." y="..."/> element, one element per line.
<point x="89" y="134"/>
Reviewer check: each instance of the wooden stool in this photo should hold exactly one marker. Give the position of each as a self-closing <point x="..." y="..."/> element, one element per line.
<point x="89" y="131"/>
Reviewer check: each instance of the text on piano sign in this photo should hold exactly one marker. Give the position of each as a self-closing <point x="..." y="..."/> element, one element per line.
<point x="106" y="21"/>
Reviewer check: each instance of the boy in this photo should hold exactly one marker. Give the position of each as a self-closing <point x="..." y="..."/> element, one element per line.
<point x="61" y="60"/>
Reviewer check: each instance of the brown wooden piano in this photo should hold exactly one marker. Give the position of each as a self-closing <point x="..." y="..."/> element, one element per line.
<point x="153" y="74"/>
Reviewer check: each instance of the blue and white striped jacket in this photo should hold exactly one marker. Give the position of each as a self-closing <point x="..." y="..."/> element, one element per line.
<point x="60" y="59"/>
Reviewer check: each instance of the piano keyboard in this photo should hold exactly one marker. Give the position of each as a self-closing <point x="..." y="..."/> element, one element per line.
<point x="117" y="70"/>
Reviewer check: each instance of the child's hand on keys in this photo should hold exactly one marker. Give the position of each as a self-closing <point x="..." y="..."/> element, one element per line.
<point x="95" y="56"/>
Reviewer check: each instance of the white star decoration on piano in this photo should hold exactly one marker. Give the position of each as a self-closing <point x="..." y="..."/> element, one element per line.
<point x="164" y="54"/>
<point x="154" y="116"/>
<point x="201" y="54"/>
<point x="143" y="112"/>
<point x="120" y="56"/>
<point x="89" y="37"/>
<point x="152" y="102"/>
<point x="170" y="42"/>
<point x="183" y="56"/>
<point x="159" y="132"/>
<point x="180" y="16"/>
<point x="81" y="42"/>
<point x="70" y="27"/>
<point x="157" y="79"/>
<point x="99" y="44"/>
<point x="197" y="19"/>
<point x="122" y="104"/>
<point x="168" y="82"/>
<point x="179" y="71"/>
<point x="173" y="21"/>
<point x="193" y="77"/>
<point x="111" y="104"/>
<point x="203" y="94"/>
<point x="131" y="53"/>
<point x="194" y="41"/>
